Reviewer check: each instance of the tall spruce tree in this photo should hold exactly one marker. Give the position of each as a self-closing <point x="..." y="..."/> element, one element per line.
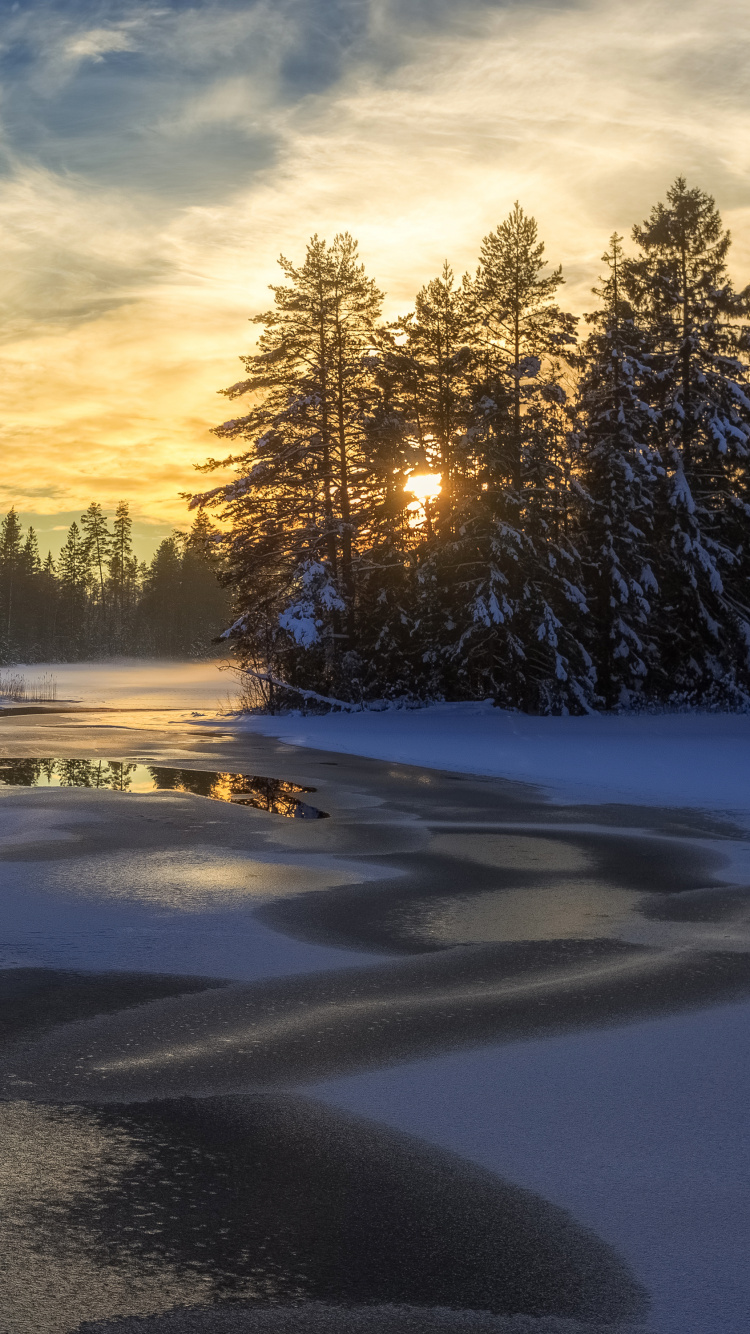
<point x="123" y="576"/>
<point x="49" y="601"/>
<point x="619" y="477"/>
<point x="430" y="356"/>
<point x="300" y="497"/>
<point x="161" y="609"/>
<point x="74" y="574"/>
<point x="519" y="325"/>
<point x="417" y="427"/>
<point x="96" y="547"/>
<point x="694" y="321"/>
<point x="30" y="588"/>
<point x="206" y="606"/>
<point x="11" y="599"/>
<point x="558" y="674"/>
<point x="520" y="636"/>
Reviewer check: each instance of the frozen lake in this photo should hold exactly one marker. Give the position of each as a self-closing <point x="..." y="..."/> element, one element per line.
<point x="138" y="684"/>
<point x="368" y="1056"/>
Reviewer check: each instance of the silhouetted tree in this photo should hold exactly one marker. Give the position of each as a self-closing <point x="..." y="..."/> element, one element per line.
<point x="620" y="475"/>
<point x="11" y="567"/>
<point x="692" y="318"/>
<point x="303" y="475"/>
<point x="96" y="546"/>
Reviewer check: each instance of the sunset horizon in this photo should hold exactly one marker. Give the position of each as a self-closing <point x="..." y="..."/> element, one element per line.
<point x="159" y="159"/>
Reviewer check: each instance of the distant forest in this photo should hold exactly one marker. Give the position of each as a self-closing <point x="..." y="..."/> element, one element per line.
<point x="97" y="600"/>
<point x="481" y="500"/>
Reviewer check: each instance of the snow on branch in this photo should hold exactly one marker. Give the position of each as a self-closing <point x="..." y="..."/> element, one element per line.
<point x="334" y="703"/>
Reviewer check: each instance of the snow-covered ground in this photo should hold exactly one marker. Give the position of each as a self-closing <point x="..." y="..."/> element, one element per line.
<point x="153" y="911"/>
<point x="641" y="1131"/>
<point x="689" y="759"/>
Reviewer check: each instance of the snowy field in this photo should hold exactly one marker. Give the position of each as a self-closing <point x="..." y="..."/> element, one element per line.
<point x="640" y="1130"/>
<point x="700" y="760"/>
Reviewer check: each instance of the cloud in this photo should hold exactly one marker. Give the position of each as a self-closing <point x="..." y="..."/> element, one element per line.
<point x="97" y="43"/>
<point x="149" y="186"/>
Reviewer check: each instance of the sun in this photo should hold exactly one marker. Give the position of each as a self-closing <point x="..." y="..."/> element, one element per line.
<point x="424" y="485"/>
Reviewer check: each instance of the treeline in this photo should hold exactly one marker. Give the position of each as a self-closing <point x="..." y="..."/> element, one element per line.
<point x="97" y="600"/>
<point x="588" y="545"/>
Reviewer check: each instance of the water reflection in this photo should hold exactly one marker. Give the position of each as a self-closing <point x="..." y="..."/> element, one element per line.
<point x="265" y="794"/>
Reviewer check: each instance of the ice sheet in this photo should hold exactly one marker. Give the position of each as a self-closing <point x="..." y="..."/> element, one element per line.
<point x="690" y="759"/>
<point x="641" y="1132"/>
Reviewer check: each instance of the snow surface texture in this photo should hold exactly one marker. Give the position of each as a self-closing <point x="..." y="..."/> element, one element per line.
<point x="314" y="1318"/>
<point x="689" y="759"/>
<point x="639" y="1131"/>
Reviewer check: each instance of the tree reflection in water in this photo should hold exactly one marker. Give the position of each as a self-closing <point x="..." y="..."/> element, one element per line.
<point x="265" y="794"/>
<point x="275" y="795"/>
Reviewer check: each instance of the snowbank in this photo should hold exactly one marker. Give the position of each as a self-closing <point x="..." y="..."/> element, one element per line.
<point x="690" y="759"/>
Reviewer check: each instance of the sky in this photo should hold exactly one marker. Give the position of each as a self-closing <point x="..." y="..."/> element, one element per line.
<point x="155" y="159"/>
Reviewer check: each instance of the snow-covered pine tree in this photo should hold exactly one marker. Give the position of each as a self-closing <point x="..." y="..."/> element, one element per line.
<point x="431" y="355"/>
<point x="552" y="615"/>
<point x="693" y="320"/>
<point x="520" y="596"/>
<point x="417" y="429"/>
<point x="303" y="476"/>
<point x="619" y="478"/>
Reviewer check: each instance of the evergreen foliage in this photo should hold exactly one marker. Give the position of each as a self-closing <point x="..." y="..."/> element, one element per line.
<point x="464" y="503"/>
<point x="96" y="600"/>
<point x="692" y="320"/>
<point x="619" y="478"/>
<point x="306" y="482"/>
<point x="521" y="581"/>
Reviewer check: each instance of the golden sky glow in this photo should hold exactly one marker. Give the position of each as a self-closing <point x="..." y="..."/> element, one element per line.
<point x="156" y="160"/>
<point x="424" y="486"/>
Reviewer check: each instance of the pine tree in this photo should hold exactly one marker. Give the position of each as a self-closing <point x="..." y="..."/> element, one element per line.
<point x="73" y="570"/>
<point x="430" y="354"/>
<point x="30" y="626"/>
<point x="160" y="611"/>
<point x="49" y="602"/>
<point x="692" y="317"/>
<point x="207" y="607"/>
<point x="30" y="562"/>
<point x="299" y="500"/>
<point x="619" y="476"/>
<point x="123" y="574"/>
<point x="519" y="325"/>
<point x="11" y="603"/>
<point x="551" y="621"/>
<point x="416" y="427"/>
<point x="96" y="545"/>
<point x="518" y="598"/>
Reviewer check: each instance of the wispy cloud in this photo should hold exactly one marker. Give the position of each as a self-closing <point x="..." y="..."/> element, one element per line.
<point x="157" y="159"/>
